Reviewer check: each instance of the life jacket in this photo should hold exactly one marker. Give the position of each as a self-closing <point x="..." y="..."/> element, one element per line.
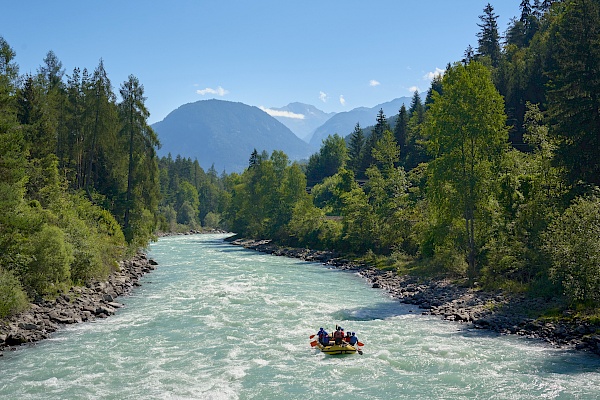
<point x="353" y="340"/>
<point x="338" y="335"/>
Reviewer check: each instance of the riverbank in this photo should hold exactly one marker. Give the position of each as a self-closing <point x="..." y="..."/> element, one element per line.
<point x="496" y="311"/>
<point x="97" y="299"/>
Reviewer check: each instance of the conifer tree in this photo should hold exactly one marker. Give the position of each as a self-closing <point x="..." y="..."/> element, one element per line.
<point x="356" y="150"/>
<point x="489" y="39"/>
<point x="141" y="143"/>
<point x="574" y="96"/>
<point x="401" y="128"/>
<point x="376" y="134"/>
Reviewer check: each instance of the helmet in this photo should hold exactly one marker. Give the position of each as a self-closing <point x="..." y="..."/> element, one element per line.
<point x="352" y="333"/>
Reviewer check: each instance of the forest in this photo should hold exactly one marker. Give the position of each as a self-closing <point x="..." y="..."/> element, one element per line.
<point x="492" y="178"/>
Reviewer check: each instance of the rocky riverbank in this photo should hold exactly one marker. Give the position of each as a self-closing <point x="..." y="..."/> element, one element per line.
<point x="95" y="300"/>
<point x="497" y="311"/>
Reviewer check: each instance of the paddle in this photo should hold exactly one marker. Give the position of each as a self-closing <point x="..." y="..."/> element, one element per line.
<point x="360" y="344"/>
<point x="312" y="336"/>
<point x="360" y="352"/>
<point x="313" y="343"/>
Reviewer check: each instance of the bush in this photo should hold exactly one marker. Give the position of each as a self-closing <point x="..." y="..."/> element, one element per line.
<point x="94" y="234"/>
<point x="51" y="259"/>
<point x="573" y="244"/>
<point x="12" y="297"/>
<point x="212" y="220"/>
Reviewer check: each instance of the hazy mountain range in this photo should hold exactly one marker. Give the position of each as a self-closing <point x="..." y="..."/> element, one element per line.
<point x="224" y="133"/>
<point x="343" y="123"/>
<point x="302" y="119"/>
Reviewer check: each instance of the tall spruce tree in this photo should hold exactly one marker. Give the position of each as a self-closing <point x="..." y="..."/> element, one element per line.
<point x="376" y="134"/>
<point x="401" y="128"/>
<point x="489" y="38"/>
<point x="356" y="150"/>
<point x="574" y="96"/>
<point x="142" y="163"/>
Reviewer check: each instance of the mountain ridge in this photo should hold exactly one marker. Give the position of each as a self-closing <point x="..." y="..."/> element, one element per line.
<point x="312" y="118"/>
<point x="224" y="134"/>
<point x="343" y="123"/>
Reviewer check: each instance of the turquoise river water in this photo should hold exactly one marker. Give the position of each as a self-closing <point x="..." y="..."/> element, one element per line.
<point x="216" y="321"/>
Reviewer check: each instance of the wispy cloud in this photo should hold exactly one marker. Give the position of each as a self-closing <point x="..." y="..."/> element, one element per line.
<point x="430" y="75"/>
<point x="219" y="91"/>
<point x="279" y="113"/>
<point x="373" y="82"/>
<point x="413" y="89"/>
<point x="342" y="100"/>
<point x="323" y="97"/>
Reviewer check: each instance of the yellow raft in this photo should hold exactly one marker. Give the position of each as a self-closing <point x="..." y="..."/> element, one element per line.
<point x="343" y="348"/>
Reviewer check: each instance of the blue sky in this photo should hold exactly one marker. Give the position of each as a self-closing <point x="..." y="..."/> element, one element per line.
<point x="335" y="55"/>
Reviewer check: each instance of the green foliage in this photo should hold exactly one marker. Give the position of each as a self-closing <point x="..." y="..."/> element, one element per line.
<point x="264" y="196"/>
<point x="12" y="297"/>
<point x="331" y="157"/>
<point x="328" y="195"/>
<point x="212" y="220"/>
<point x="356" y="150"/>
<point x="573" y="243"/>
<point x="51" y="257"/>
<point x="489" y="39"/>
<point x="466" y="126"/>
<point x="574" y="103"/>
<point x="94" y="234"/>
<point x="189" y="195"/>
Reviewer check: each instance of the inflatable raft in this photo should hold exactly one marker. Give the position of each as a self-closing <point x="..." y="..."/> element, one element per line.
<point x="344" y="348"/>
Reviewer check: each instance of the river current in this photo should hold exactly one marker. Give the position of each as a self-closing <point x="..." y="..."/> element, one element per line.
<point x="216" y="321"/>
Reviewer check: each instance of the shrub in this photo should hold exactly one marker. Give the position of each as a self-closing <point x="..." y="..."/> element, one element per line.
<point x="573" y="244"/>
<point x="212" y="220"/>
<point x="51" y="259"/>
<point x="12" y="297"/>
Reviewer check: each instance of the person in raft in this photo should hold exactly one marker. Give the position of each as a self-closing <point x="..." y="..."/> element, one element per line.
<point x="325" y="341"/>
<point x="321" y="334"/>
<point x="353" y="339"/>
<point x="338" y="335"/>
<point x="347" y="337"/>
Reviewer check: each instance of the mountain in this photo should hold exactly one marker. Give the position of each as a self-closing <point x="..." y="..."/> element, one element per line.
<point x="300" y="118"/>
<point x="343" y="123"/>
<point x="224" y="133"/>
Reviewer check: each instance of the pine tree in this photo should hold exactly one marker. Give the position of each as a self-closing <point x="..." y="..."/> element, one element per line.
<point x="489" y="39"/>
<point x="356" y="150"/>
<point x="468" y="55"/>
<point x="401" y="128"/>
<point x="574" y="96"/>
<point x="376" y="134"/>
<point x="142" y="163"/>
<point x="103" y="117"/>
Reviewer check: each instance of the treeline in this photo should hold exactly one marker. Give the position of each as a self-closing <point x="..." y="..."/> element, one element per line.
<point x="190" y="197"/>
<point x="493" y="177"/>
<point x="79" y="181"/>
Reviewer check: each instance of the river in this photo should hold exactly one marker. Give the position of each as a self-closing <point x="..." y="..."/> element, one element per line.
<point x="216" y="321"/>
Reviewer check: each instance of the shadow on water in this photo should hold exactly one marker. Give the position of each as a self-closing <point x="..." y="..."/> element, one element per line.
<point x="378" y="311"/>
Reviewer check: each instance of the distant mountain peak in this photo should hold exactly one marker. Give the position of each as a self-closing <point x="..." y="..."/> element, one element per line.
<point x="225" y="133"/>
<point x="303" y="126"/>
<point x="343" y="123"/>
